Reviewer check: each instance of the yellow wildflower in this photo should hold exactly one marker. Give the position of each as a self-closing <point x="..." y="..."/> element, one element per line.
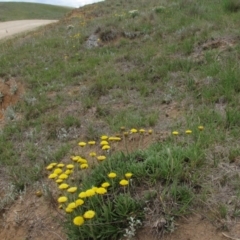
<point x="128" y="175"/>
<point x="102" y="143"/>
<point x="105" y="184"/>
<point x="82" y="144"/>
<point x="68" y="171"/>
<point x="188" y="131"/>
<point x="72" y="189"/>
<point x="89" y="214"/>
<point x="105" y="147"/>
<point x="59" y="180"/>
<point x="91" y="142"/>
<point x="57" y="170"/>
<point x="112" y="175"/>
<point x="150" y="131"/>
<point x="75" y="158"/>
<point x="62" y="199"/>
<point x="90" y="193"/>
<point x="72" y="205"/>
<point x="60" y="165"/>
<point x="101" y="158"/>
<point x="63" y="176"/>
<point x="200" y="128"/>
<point x="92" y="154"/>
<point x="123" y="182"/>
<point x="142" y="130"/>
<point x="101" y="190"/>
<point x="70" y="166"/>
<point x="175" y="133"/>
<point x="133" y="130"/>
<point x="49" y="167"/>
<point x="52" y="176"/>
<point x="114" y="139"/>
<point x="79" y="202"/>
<point x="69" y="210"/>
<point x="104" y="137"/>
<point x="84" y="166"/>
<point x="78" y="221"/>
<point x="94" y="189"/>
<point x="82" y="195"/>
<point x="63" y="186"/>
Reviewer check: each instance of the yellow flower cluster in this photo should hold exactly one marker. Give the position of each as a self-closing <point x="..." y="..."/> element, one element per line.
<point x="188" y="131"/>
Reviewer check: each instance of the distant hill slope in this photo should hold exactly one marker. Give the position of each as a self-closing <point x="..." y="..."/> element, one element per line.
<point x="20" y="11"/>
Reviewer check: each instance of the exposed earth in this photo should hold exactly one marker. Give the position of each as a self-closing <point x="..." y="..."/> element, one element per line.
<point x="8" y="29"/>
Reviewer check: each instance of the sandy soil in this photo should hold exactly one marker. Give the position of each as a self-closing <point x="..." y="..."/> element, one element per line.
<point x="11" y="28"/>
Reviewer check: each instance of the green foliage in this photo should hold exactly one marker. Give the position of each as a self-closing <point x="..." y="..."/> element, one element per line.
<point x="231" y="5"/>
<point x="21" y="11"/>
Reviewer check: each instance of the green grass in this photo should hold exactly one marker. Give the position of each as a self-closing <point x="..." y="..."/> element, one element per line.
<point x="10" y="11"/>
<point x="171" y="67"/>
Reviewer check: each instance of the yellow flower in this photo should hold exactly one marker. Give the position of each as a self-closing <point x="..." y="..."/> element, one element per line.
<point x="79" y="202"/>
<point x="105" y="147"/>
<point x="62" y="199"/>
<point x="94" y="189"/>
<point x="53" y="164"/>
<point x="142" y="130"/>
<point x="91" y="142"/>
<point x="70" y="166"/>
<point x="101" y="158"/>
<point x="59" y="180"/>
<point x="82" y="195"/>
<point x="104" y="137"/>
<point x="133" y="130"/>
<point x="105" y="184"/>
<point x="63" y="176"/>
<point x="82" y="160"/>
<point x="122" y="128"/>
<point x="89" y="214"/>
<point x="75" y="158"/>
<point x="72" y="205"/>
<point x="102" y="143"/>
<point x="101" y="190"/>
<point x="123" y="182"/>
<point x="125" y="134"/>
<point x="78" y="221"/>
<point x="72" y="189"/>
<point x="60" y="165"/>
<point x="63" y="186"/>
<point x="92" y="154"/>
<point x="112" y="175"/>
<point x="50" y="167"/>
<point x="188" y="131"/>
<point x="57" y="171"/>
<point x="84" y="166"/>
<point x="52" y="176"/>
<point x="114" y="139"/>
<point x="68" y="171"/>
<point x="175" y="133"/>
<point x="200" y="128"/>
<point x="68" y="210"/>
<point x="90" y="193"/>
<point x="150" y="131"/>
<point x="128" y="175"/>
<point x="82" y="144"/>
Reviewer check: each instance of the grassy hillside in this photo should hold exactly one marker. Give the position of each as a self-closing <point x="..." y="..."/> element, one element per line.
<point x="10" y="11"/>
<point x="169" y="67"/>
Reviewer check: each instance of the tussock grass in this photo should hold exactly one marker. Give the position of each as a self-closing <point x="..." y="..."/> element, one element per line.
<point x="10" y="11"/>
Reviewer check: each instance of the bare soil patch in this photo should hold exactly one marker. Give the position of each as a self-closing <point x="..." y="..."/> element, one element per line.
<point x="11" y="91"/>
<point x="8" y="29"/>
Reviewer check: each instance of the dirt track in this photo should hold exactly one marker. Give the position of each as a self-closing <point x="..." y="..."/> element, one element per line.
<point x="11" y="28"/>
